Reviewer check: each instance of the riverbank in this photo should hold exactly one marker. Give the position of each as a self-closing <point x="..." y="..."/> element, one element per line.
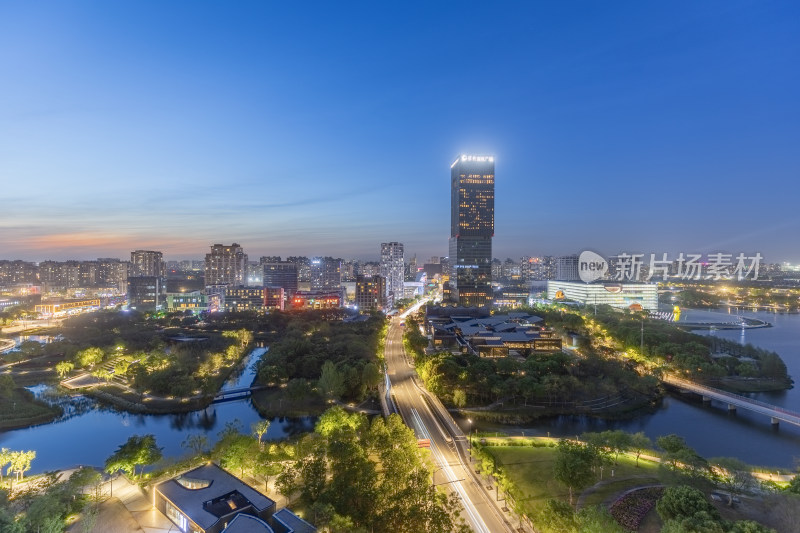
<point x="21" y="409"/>
<point x="739" y="384"/>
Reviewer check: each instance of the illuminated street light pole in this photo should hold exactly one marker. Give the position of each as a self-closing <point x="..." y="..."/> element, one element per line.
<point x="470" y="432"/>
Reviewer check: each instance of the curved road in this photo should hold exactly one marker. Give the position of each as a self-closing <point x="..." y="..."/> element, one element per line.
<point x="429" y="420"/>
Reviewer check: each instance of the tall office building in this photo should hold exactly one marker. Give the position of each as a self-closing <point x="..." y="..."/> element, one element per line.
<point x="147" y="280"/>
<point x="326" y="274"/>
<point x="567" y="268"/>
<point x="471" y="229"/>
<point x="370" y="293"/>
<point x="393" y="268"/>
<point x="280" y="274"/>
<point x="147" y="263"/>
<point x="226" y="265"/>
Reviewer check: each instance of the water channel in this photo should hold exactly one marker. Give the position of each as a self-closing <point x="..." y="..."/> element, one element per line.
<point x="89" y="432"/>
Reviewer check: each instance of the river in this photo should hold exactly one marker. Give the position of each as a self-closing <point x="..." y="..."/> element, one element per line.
<point x="710" y="429"/>
<point x="90" y="432"/>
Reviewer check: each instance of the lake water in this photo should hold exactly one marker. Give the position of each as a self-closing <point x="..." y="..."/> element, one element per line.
<point x="710" y="429"/>
<point x="89" y="432"/>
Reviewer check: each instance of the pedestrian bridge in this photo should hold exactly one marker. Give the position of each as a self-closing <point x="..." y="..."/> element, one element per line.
<point x="235" y="394"/>
<point x="735" y="401"/>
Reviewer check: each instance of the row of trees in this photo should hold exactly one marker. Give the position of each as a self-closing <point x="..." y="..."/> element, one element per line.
<point x="49" y="506"/>
<point x="361" y="476"/>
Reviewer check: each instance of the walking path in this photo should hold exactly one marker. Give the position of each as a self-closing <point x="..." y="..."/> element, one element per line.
<point x="128" y="511"/>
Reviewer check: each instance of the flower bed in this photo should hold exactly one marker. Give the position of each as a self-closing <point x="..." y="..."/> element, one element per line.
<point x="630" y="509"/>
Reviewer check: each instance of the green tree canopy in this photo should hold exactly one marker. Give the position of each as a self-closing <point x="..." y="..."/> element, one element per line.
<point x="136" y="451"/>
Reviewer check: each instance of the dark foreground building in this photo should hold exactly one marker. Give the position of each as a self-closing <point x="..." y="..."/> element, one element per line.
<point x="210" y="500"/>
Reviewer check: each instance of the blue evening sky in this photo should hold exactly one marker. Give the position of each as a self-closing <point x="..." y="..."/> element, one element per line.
<point x="324" y="128"/>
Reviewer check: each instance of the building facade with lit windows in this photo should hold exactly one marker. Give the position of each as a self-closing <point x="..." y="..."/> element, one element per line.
<point x="634" y="296"/>
<point x="147" y="263"/>
<point x="471" y="230"/>
<point x="252" y="298"/>
<point x="317" y="299"/>
<point x="393" y="268"/>
<point x="370" y="293"/>
<point x="280" y="274"/>
<point x="194" y="301"/>
<point x="226" y="265"/>
<point x="326" y="273"/>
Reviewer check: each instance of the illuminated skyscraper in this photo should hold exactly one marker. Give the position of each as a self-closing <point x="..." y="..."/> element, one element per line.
<point x="392" y="268"/>
<point x="147" y="280"/>
<point x="147" y="263"/>
<point x="471" y="229"/>
<point x="226" y="265"/>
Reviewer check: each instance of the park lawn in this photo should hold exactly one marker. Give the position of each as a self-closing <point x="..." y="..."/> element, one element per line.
<point x="530" y="469"/>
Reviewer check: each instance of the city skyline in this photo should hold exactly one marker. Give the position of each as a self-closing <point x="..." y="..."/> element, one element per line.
<point x="614" y="128"/>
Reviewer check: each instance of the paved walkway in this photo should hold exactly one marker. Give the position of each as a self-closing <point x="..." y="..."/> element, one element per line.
<point x="128" y="511"/>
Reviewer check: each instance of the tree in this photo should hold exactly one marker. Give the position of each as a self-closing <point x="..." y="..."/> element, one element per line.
<point x="459" y="398"/>
<point x="733" y="475"/>
<point x="259" y="429"/>
<point x="297" y="389"/>
<point x="7" y="386"/>
<point x="20" y="462"/>
<point x="64" y="367"/>
<point x="337" y="419"/>
<point x="679" y="454"/>
<point x="371" y="376"/>
<point x="682" y="501"/>
<point x="137" y="450"/>
<point x="197" y="443"/>
<point x="331" y="382"/>
<point x="5" y="459"/>
<point x="573" y="466"/>
<point x="639" y="443"/>
<point x="89" y="357"/>
<point x="794" y="484"/>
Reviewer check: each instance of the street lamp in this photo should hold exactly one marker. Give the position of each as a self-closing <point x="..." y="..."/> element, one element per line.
<point x="470" y="432"/>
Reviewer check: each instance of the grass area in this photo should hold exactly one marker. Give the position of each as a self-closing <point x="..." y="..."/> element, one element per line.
<point x="23" y="409"/>
<point x="528" y="464"/>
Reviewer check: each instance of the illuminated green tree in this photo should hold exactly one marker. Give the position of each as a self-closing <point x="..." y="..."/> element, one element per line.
<point x="136" y="451"/>
<point x="259" y="429"/>
<point x="89" y="357"/>
<point x="64" y="367"/>
<point x="331" y="382"/>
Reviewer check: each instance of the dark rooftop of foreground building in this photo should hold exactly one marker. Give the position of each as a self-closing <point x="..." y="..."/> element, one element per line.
<point x="210" y="500"/>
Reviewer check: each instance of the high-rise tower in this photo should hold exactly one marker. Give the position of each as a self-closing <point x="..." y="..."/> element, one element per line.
<point x="471" y="229"/>
<point x="226" y="265"/>
<point x="393" y="268"/>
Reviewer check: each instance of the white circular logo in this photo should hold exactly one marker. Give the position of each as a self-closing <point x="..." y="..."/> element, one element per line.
<point x="591" y="266"/>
